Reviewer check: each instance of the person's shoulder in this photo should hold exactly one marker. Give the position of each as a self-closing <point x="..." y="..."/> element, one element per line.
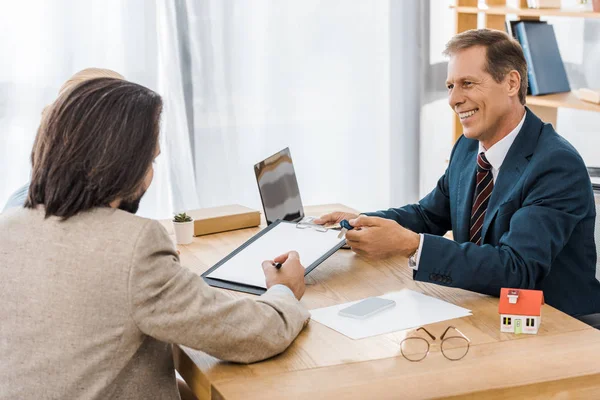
<point x="556" y="163"/>
<point x="553" y="148"/>
<point x="115" y="221"/>
<point x="98" y="230"/>
<point x="122" y="231"/>
<point x="110" y="225"/>
<point x="17" y="216"/>
<point x="114" y="217"/>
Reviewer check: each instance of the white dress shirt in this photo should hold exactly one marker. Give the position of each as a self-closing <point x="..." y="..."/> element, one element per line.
<point x="495" y="156"/>
<point x="280" y="288"/>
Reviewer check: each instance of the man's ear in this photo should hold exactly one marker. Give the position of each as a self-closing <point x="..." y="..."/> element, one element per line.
<point x="513" y="83"/>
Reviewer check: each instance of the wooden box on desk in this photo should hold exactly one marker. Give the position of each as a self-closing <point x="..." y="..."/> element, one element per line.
<point x="224" y="218"/>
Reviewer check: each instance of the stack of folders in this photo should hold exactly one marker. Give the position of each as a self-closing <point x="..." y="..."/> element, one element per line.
<point x="545" y="68"/>
<point x="543" y="3"/>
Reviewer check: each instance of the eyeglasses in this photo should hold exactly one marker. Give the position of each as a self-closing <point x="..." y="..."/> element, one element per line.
<point x="453" y="348"/>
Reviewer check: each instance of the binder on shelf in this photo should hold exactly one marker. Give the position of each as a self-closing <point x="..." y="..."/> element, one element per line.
<point x="544" y="3"/>
<point x="545" y="68"/>
<point x="242" y="269"/>
<point x="511" y="27"/>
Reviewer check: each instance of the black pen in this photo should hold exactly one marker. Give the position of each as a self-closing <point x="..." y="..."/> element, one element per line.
<point x="277" y="265"/>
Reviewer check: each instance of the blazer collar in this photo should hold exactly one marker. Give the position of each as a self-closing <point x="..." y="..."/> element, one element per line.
<point x="513" y="166"/>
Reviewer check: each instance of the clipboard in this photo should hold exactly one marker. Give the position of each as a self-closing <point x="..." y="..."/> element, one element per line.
<point x="241" y="269"/>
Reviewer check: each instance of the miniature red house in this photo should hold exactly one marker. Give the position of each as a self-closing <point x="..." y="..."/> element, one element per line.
<point x="520" y="310"/>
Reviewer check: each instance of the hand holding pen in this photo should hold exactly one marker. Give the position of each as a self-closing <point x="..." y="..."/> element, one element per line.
<point x="287" y="270"/>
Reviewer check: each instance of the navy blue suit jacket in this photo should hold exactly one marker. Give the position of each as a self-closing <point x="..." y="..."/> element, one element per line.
<point x="538" y="231"/>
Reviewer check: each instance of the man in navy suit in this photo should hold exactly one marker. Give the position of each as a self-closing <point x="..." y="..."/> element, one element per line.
<point x="516" y="195"/>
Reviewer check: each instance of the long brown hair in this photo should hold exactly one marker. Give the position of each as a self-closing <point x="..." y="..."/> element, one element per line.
<point x="95" y="145"/>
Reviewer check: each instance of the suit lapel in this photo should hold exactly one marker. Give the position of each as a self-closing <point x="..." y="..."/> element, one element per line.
<point x="512" y="168"/>
<point x="465" y="193"/>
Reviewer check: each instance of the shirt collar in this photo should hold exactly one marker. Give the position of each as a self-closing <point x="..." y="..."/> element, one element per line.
<point x="497" y="153"/>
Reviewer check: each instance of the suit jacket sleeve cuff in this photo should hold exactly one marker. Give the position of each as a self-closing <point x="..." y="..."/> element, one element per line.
<point x="430" y="269"/>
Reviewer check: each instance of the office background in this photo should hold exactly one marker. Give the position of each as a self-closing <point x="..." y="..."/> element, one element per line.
<point x="354" y="88"/>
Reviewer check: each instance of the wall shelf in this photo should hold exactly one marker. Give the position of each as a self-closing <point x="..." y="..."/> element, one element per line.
<point x="528" y="12"/>
<point x="565" y="100"/>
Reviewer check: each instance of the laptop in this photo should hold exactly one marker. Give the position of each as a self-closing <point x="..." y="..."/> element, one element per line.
<point x="279" y="190"/>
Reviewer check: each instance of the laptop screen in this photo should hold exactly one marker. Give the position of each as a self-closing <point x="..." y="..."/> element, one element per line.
<point x="278" y="188"/>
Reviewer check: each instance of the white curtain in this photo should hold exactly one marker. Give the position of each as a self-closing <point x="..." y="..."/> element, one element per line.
<point x="337" y="81"/>
<point x="312" y="75"/>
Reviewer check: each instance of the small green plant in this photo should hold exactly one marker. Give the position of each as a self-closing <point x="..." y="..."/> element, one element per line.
<point x="182" y="217"/>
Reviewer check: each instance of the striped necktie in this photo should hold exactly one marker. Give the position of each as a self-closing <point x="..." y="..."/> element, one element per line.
<point x="483" y="191"/>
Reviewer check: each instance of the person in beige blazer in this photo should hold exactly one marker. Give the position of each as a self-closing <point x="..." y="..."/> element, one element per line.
<point x="92" y="296"/>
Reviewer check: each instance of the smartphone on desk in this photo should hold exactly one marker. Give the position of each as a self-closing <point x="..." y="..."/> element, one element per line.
<point x="367" y="308"/>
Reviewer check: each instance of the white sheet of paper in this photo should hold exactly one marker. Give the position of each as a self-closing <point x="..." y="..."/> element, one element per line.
<point x="412" y="310"/>
<point x="246" y="266"/>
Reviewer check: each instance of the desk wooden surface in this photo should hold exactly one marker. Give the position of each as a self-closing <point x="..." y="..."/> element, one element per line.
<point x="561" y="361"/>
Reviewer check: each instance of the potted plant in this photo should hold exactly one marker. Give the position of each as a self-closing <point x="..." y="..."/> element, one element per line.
<point x="184" y="228"/>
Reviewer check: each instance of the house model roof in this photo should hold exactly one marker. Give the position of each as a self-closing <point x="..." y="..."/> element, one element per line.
<point x="521" y="302"/>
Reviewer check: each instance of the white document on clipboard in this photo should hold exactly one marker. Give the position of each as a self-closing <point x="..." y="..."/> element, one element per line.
<point x="244" y="266"/>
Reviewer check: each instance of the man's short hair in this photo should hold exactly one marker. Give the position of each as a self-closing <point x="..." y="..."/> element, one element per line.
<point x="94" y="146"/>
<point x="503" y="54"/>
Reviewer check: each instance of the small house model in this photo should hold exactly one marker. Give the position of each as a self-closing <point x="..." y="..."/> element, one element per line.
<point x="520" y="310"/>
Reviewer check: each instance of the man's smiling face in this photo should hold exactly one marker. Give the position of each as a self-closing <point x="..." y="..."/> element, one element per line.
<point x="475" y="96"/>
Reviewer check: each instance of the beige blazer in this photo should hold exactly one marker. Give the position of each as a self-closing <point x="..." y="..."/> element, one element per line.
<point x="90" y="306"/>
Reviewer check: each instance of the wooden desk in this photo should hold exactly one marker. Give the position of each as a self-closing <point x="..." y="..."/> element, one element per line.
<point x="563" y="360"/>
